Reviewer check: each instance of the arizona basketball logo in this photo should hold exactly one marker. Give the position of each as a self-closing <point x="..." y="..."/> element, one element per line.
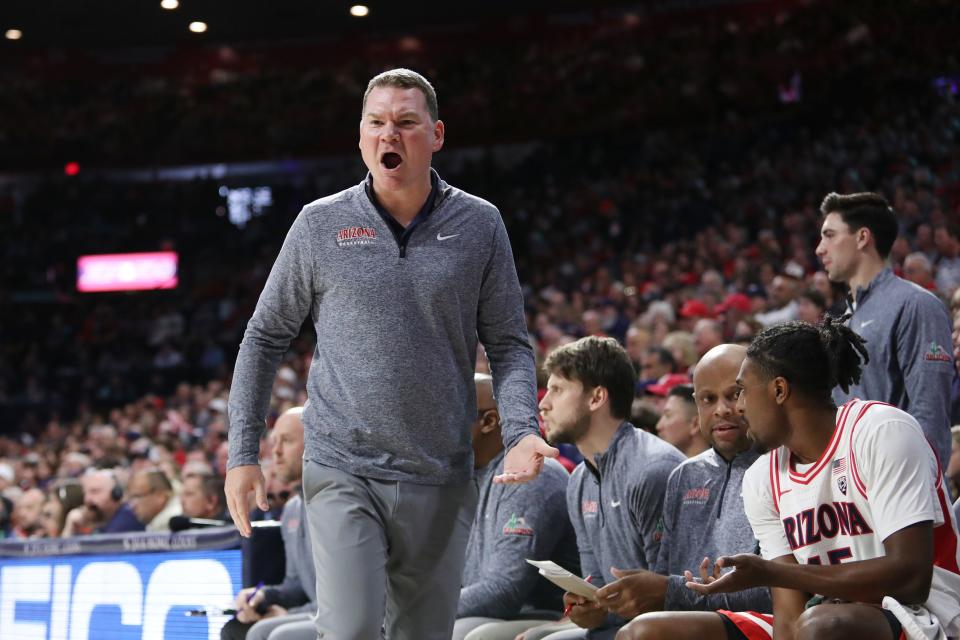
<point x="355" y="236"/>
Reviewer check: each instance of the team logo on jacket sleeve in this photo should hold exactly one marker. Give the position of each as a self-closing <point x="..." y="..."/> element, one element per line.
<point x="517" y="526"/>
<point x="356" y="236"/>
<point x="936" y="353"/>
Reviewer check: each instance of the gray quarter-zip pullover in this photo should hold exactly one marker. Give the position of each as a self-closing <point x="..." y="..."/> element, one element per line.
<point x="390" y="388"/>
<point x="908" y="334"/>
<point x="703" y="516"/>
<point x="616" y="507"/>
<point x="515" y="522"/>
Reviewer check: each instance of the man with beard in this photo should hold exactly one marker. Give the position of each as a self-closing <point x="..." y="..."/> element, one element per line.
<point x="703" y="515"/>
<point x="103" y="509"/>
<point x="615" y="496"/>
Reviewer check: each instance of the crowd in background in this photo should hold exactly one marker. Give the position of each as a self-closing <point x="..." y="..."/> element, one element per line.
<point x="669" y="208"/>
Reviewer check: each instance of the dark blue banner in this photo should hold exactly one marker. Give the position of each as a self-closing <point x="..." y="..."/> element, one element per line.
<point x="118" y="596"/>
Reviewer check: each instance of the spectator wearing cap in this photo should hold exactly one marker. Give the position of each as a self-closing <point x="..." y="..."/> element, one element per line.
<point x="659" y="390"/>
<point x="692" y="311"/>
<point x="734" y="308"/>
<point x="918" y="270"/>
<point x="679" y="424"/>
<point x="811" y="306"/>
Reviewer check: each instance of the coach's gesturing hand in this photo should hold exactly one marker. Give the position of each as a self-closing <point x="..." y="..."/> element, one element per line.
<point x="749" y="571"/>
<point x="525" y="460"/>
<point x="239" y="483"/>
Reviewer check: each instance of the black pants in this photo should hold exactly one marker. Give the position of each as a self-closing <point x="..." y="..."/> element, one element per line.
<point x="234" y="630"/>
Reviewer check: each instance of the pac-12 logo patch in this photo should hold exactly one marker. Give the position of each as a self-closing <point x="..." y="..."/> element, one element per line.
<point x="356" y="236"/>
<point x="842" y="484"/>
<point x="839" y="472"/>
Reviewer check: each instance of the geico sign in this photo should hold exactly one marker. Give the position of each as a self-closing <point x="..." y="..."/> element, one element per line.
<point x="73" y="598"/>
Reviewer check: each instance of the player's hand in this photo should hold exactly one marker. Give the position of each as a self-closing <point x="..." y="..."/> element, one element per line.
<point x="240" y="481"/>
<point x="525" y="460"/>
<point x="634" y="592"/>
<point x="748" y="571"/>
<point x="584" y="613"/>
<point x="706" y="577"/>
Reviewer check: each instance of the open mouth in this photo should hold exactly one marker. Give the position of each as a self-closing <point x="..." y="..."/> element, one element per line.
<point x="725" y="426"/>
<point x="391" y="160"/>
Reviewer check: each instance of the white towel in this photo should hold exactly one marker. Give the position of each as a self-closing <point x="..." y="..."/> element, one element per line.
<point x="939" y="617"/>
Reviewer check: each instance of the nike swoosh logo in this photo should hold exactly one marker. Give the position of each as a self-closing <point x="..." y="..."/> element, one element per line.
<point x="442" y="238"/>
<point x="615" y="504"/>
<point x="866" y="323"/>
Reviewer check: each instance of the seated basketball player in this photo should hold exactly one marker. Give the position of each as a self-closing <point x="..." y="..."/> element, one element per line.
<point x="855" y="532"/>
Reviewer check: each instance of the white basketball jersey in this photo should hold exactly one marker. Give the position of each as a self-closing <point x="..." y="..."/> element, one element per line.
<point x="877" y="476"/>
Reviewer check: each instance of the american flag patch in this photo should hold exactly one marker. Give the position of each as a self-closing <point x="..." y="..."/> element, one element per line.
<point x="839" y="466"/>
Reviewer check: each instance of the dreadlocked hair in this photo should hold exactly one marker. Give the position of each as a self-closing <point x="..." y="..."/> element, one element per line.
<point x="813" y="358"/>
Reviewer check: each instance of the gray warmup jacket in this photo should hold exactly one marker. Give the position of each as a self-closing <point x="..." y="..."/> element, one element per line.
<point x="616" y="507"/>
<point x="703" y="516"/>
<point x="298" y="591"/>
<point x="515" y="522"/>
<point x="390" y="388"/>
<point x="908" y="334"/>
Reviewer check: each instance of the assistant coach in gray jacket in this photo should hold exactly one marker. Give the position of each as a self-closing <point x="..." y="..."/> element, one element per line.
<point x="502" y="594"/>
<point x="907" y="329"/>
<point x="703" y="517"/>
<point x="400" y="275"/>
<point x="615" y="496"/>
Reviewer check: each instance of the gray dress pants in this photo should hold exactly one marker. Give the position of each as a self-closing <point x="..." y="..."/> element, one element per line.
<point x="388" y="555"/>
